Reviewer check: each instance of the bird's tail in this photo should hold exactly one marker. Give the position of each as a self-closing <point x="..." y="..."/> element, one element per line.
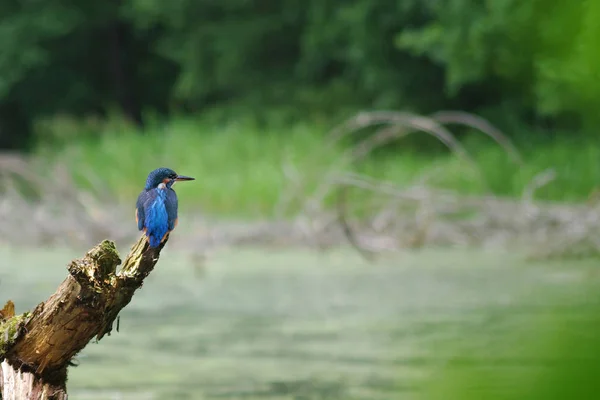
<point x="154" y="240"/>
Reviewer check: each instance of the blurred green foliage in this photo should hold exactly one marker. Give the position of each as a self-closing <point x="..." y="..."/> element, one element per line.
<point x="551" y="353"/>
<point x="534" y="60"/>
<point x="249" y="168"/>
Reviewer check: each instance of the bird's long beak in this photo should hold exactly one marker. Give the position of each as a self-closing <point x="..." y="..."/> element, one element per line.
<point x="184" y="178"/>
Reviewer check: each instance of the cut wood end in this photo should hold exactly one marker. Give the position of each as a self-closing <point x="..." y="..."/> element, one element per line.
<point x="8" y="311"/>
<point x="106" y="258"/>
<point x="98" y="265"/>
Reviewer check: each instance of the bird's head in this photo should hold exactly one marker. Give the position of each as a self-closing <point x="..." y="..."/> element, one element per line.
<point x="164" y="176"/>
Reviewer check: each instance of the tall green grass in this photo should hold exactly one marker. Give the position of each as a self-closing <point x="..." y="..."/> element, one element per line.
<point x="242" y="166"/>
<point x="238" y="166"/>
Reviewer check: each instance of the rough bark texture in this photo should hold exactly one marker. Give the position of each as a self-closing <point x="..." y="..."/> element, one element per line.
<point x="36" y="347"/>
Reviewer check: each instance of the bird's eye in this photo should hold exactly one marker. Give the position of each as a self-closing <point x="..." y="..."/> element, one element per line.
<point x="173" y="176"/>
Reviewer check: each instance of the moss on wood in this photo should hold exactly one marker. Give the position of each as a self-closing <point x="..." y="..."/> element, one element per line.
<point x="10" y="330"/>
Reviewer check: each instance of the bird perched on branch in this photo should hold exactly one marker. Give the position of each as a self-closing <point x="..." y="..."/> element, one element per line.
<point x="156" y="207"/>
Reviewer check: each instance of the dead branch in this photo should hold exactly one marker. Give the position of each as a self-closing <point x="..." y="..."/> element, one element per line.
<point x="349" y="233"/>
<point x="540" y="180"/>
<point x="36" y="348"/>
<point x="482" y="125"/>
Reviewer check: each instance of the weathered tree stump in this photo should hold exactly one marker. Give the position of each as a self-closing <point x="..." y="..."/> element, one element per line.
<point x="36" y="348"/>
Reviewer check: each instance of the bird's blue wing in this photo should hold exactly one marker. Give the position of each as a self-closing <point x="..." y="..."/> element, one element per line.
<point x="140" y="211"/>
<point x="171" y="206"/>
<point x="156" y="211"/>
<point x="156" y="218"/>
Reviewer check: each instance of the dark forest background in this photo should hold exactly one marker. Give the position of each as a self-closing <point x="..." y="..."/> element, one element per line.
<point x="527" y="63"/>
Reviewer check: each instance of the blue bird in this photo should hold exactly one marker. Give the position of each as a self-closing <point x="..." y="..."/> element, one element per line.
<point x="156" y="207"/>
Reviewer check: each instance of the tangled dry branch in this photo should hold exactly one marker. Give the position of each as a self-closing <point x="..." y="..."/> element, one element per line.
<point x="417" y="215"/>
<point x="374" y="216"/>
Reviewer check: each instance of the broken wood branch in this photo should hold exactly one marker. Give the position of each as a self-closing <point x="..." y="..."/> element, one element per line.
<point x="37" y="347"/>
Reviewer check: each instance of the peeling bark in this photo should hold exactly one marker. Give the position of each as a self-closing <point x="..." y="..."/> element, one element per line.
<point x="36" y="348"/>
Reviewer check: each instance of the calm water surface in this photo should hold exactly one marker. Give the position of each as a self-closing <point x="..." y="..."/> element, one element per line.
<point x="299" y="325"/>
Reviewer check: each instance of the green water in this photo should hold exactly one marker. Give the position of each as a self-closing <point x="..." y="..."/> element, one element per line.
<point x="297" y="325"/>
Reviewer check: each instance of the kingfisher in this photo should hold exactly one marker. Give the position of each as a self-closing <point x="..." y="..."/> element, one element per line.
<point x="156" y="207"/>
